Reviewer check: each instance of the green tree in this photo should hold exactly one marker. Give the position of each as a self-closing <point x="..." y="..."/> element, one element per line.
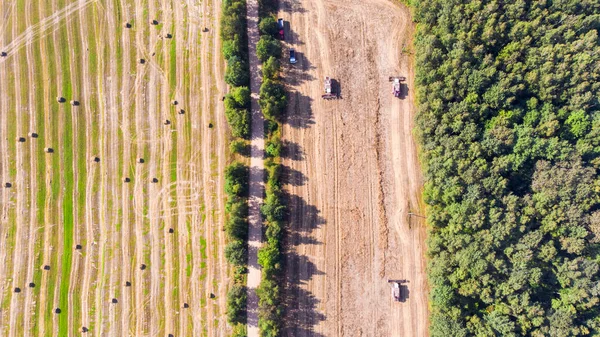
<point x="272" y="99"/>
<point x="268" y="26"/>
<point x="266" y="47"/>
<point x="236" y="73"/>
<point x="236" y="304"/>
<point x="270" y="69"/>
<point x="236" y="253"/>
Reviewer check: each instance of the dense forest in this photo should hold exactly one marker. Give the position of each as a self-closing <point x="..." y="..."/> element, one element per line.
<point x="509" y="130"/>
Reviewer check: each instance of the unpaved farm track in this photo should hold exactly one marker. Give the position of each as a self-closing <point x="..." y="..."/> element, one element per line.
<point x="77" y="215"/>
<point x="352" y="173"/>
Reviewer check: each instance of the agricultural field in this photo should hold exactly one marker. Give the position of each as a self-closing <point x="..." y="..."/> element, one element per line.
<point x="92" y="238"/>
<point x="352" y="173"/>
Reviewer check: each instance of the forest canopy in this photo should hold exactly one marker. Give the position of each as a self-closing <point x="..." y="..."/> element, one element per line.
<point x="509" y="129"/>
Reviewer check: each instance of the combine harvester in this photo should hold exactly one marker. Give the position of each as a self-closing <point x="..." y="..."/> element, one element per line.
<point x="329" y="94"/>
<point x="396" y="86"/>
<point x="397" y="289"/>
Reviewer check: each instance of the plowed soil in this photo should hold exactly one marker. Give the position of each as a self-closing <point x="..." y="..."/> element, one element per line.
<point x="352" y="173"/>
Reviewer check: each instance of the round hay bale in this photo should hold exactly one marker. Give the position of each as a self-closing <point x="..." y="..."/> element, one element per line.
<point x="185" y="305"/>
<point x="174" y="102"/>
<point x="171" y="230"/>
<point x="142" y="61"/>
<point x="141" y="160"/>
<point x="154" y="180"/>
<point x="48" y="150"/>
<point x="3" y="54"/>
<point x="181" y="112"/>
<point x="17" y="290"/>
<point x="57" y="311"/>
<point x="84" y="329"/>
<point x="74" y="103"/>
<point x="168" y="36"/>
<point x="7" y="185"/>
<point x="60" y="99"/>
<point x="33" y="135"/>
<point x="143" y="266"/>
<point x="128" y="284"/>
<point x="127" y="25"/>
<point x="126" y="180"/>
<point x="46" y="267"/>
<point x="78" y="247"/>
<point x="210" y="125"/>
<point x="21" y="139"/>
<point x="154" y="22"/>
<point x="167" y="122"/>
<point x="31" y="285"/>
<point x="114" y="301"/>
<point x="96" y="159"/>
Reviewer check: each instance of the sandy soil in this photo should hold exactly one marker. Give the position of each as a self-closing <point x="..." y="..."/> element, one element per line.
<point x="352" y="173"/>
<point x="123" y="106"/>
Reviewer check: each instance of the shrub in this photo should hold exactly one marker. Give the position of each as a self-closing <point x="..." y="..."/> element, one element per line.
<point x="268" y="26"/>
<point x="273" y="146"/>
<point x="239" y="330"/>
<point x="240" y="146"/>
<point x="236" y="253"/>
<point x="236" y="304"/>
<point x="236" y="73"/>
<point x="266" y="47"/>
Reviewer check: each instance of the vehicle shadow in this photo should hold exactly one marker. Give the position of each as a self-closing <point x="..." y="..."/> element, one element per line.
<point x="404" y="293"/>
<point x="403" y="90"/>
<point x="299" y="114"/>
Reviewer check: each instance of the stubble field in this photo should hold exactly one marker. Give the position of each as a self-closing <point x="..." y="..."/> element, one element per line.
<point x="72" y="209"/>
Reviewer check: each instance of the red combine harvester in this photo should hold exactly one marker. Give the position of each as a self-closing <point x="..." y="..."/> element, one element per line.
<point x="329" y="94"/>
<point x="396" y="86"/>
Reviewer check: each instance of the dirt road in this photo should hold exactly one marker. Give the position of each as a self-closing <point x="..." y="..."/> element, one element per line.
<point x="257" y="172"/>
<point x="352" y="173"/>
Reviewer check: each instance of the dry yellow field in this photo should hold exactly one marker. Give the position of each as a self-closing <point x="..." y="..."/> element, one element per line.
<point x="131" y="248"/>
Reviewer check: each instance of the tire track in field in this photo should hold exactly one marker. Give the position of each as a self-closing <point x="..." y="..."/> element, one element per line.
<point x="126" y="117"/>
<point x="140" y="314"/>
<point x="43" y="27"/>
<point x="21" y="185"/>
<point x="32" y="240"/>
<point x="221" y="141"/>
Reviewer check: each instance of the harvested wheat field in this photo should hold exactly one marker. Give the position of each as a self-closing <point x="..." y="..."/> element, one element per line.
<point x="353" y="174"/>
<point x="111" y="200"/>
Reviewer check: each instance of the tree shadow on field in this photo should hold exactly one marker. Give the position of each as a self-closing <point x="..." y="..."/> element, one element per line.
<point x="292" y="151"/>
<point x="292" y="6"/>
<point x="299" y="113"/>
<point x="292" y="177"/>
<point x="301" y="313"/>
<point x="296" y="74"/>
